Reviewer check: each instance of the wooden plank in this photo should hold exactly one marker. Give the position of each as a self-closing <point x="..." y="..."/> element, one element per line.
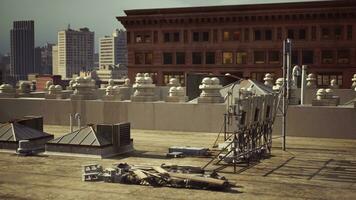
<point x="208" y="180"/>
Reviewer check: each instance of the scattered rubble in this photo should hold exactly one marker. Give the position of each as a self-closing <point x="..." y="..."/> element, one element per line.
<point x="157" y="176"/>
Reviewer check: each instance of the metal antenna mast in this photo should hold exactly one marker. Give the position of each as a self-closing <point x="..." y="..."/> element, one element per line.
<point x="287" y="51"/>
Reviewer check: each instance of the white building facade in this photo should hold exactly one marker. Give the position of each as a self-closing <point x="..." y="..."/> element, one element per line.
<point x="75" y="52"/>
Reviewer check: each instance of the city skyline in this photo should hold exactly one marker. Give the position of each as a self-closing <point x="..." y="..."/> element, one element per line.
<point x="53" y="16"/>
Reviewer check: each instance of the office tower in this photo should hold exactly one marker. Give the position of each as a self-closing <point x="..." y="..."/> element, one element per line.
<point x="113" y="49"/>
<point x="75" y="51"/>
<point x="55" y="60"/>
<point x="22" y="49"/>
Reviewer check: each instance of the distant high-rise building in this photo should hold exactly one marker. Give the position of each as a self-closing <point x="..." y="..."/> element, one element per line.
<point x="46" y="59"/>
<point x="37" y="60"/>
<point x="22" y="49"/>
<point x="55" y="60"/>
<point x="75" y="51"/>
<point x="113" y="49"/>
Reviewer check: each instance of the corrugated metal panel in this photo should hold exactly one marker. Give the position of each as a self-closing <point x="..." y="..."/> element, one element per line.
<point x="85" y="136"/>
<point x="69" y="137"/>
<point x="5" y="132"/>
<point x="83" y="133"/>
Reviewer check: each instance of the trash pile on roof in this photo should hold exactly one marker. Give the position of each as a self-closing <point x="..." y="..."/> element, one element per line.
<point x="158" y="176"/>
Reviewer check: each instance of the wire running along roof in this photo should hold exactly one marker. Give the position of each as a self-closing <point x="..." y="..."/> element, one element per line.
<point x="86" y="136"/>
<point x="14" y="132"/>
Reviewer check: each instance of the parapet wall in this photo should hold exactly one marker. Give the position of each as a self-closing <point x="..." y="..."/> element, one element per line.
<point x="333" y="122"/>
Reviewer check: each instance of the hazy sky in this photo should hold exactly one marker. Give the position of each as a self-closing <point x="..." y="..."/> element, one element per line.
<point x="50" y="16"/>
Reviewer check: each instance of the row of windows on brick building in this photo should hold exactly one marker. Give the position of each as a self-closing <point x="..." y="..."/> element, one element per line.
<point x="240" y="57"/>
<point x="326" y="33"/>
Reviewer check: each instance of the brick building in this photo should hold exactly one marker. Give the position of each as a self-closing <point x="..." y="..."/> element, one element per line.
<point x="244" y="40"/>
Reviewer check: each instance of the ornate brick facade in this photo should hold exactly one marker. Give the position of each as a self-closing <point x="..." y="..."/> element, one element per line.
<point x="244" y="40"/>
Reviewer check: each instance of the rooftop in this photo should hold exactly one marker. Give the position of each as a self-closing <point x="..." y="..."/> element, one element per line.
<point x="242" y="7"/>
<point x="311" y="168"/>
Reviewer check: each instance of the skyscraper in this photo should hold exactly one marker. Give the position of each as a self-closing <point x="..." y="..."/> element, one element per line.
<point x="55" y="60"/>
<point x="75" y="51"/>
<point x="113" y="49"/>
<point x="22" y="49"/>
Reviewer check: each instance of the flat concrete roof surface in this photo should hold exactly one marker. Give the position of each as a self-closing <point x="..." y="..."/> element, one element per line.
<point x="311" y="168"/>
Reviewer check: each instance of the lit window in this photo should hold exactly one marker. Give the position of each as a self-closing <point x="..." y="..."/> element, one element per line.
<point x="241" y="57"/>
<point x="323" y="80"/>
<point x="227" y="57"/>
<point x="138" y="39"/>
<point x="148" y="58"/>
<point x="226" y="35"/>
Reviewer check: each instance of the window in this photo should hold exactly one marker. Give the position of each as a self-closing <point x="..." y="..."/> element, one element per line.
<point x="148" y="58"/>
<point x="153" y="75"/>
<point x="155" y="37"/>
<point x="180" y="58"/>
<point x="167" y="58"/>
<point x="241" y="57"/>
<point x="268" y="34"/>
<point x="226" y="35"/>
<point x="176" y="36"/>
<point x="128" y="39"/>
<point x="327" y="57"/>
<point x="197" y="57"/>
<point x="349" y="32"/>
<point x="325" y="33"/>
<point x="259" y="57"/>
<point x="205" y="36"/>
<point x="307" y="57"/>
<point x="196" y="36"/>
<point x="323" y="80"/>
<point x="178" y="75"/>
<point x="295" y="58"/>
<point x="247" y="34"/>
<point x="313" y="33"/>
<point x="148" y="38"/>
<point x="258" y="76"/>
<point x="302" y="34"/>
<point x="258" y="35"/>
<point x="343" y="56"/>
<point x="166" y="37"/>
<point x="227" y="57"/>
<point x="290" y="34"/>
<point x="138" y="38"/>
<point x="338" y="33"/>
<point x="279" y="33"/>
<point x="139" y="58"/>
<point x="210" y="58"/>
<point x="236" y="35"/>
<point x="273" y="57"/>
